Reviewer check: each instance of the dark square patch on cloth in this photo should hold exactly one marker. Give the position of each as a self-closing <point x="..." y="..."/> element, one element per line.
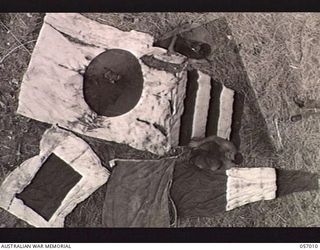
<point x="49" y="187"/>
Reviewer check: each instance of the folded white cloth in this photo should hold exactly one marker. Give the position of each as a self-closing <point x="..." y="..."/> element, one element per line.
<point x="246" y="185"/>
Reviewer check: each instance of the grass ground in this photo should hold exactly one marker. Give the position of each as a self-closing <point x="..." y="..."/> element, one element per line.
<point x="281" y="54"/>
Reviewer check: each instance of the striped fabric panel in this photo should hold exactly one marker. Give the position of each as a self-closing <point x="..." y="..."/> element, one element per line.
<point x="209" y="110"/>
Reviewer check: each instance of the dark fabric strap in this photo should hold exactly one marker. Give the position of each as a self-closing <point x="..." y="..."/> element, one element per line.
<point x="291" y="181"/>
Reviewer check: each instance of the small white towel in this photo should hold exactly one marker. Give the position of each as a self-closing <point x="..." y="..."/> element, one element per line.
<point x="246" y="185"/>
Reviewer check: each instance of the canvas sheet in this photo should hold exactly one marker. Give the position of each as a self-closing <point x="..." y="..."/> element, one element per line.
<point x="52" y="89"/>
<point x="20" y="185"/>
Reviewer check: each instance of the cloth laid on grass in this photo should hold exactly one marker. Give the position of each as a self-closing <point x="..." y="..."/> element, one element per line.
<point x="138" y="194"/>
<point x="89" y="77"/>
<point x="44" y="189"/>
<point x="41" y="194"/>
<point x="197" y="192"/>
<point x="223" y="64"/>
<point x="210" y="108"/>
<point x="138" y="190"/>
<point x="291" y="181"/>
<point x="247" y="185"/>
<point x="203" y="193"/>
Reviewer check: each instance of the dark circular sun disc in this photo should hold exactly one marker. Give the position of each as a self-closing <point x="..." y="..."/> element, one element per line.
<point x="113" y="83"/>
